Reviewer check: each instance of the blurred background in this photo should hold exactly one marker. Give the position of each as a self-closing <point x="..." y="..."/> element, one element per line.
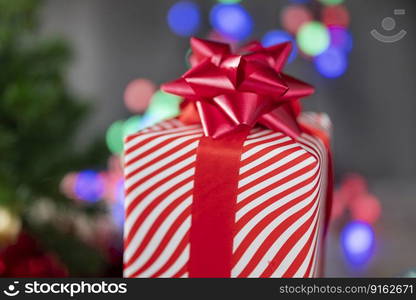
<point x="76" y="76"/>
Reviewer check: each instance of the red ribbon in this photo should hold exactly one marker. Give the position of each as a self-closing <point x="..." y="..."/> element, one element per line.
<point x="213" y="205"/>
<point x="229" y="94"/>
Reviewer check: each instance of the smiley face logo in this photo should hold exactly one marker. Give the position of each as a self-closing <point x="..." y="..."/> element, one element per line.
<point x="11" y="290"/>
<point x="389" y="24"/>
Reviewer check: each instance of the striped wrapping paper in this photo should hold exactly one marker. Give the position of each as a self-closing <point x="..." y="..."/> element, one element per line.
<point x="279" y="212"/>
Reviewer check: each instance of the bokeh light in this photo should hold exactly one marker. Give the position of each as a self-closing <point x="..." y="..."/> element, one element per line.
<point x="294" y="16"/>
<point x="331" y="2"/>
<point x="114" y="164"/>
<point x="410" y="274"/>
<point x="274" y="37"/>
<point x="232" y="21"/>
<point x="131" y="125"/>
<point x="366" y="208"/>
<point x="114" y="137"/>
<point x="340" y="38"/>
<point x="89" y="186"/>
<point x="313" y="38"/>
<point x="229" y="1"/>
<point x="184" y="18"/>
<point x="162" y="106"/>
<point x="336" y="15"/>
<point x="218" y="37"/>
<point x="137" y="94"/>
<point x="358" y="243"/>
<point x="332" y="63"/>
<point x="67" y="185"/>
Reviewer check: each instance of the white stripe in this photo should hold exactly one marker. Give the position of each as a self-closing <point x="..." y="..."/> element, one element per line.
<point x="294" y="252"/>
<point x="159" y="234"/>
<point x="167" y="125"/>
<point x="266" y="158"/>
<point x="265" y="183"/>
<point x="159" y="164"/>
<point x="149" y="145"/>
<point x="176" y="122"/>
<point x="138" y="137"/>
<point x="261" y="137"/>
<point x="304" y="266"/>
<point x="157" y="178"/>
<point x="314" y="259"/>
<point x="248" y="227"/>
<point x="260" y="147"/>
<point x="167" y="251"/>
<point x="257" y="132"/>
<point x="132" y="217"/>
<point x="153" y="215"/>
<point x="265" y="233"/>
<point x="179" y="263"/>
<point x="281" y="240"/>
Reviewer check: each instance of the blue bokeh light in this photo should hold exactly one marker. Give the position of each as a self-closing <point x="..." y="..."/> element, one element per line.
<point x="184" y="18"/>
<point x="332" y="63"/>
<point x="358" y="243"/>
<point x="232" y="21"/>
<point x="274" y="37"/>
<point x="89" y="186"/>
<point x="340" y="38"/>
<point x="117" y="208"/>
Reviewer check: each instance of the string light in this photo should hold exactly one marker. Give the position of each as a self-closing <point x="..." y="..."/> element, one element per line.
<point x="114" y="137"/>
<point x="279" y="36"/>
<point x="358" y="243"/>
<point x="138" y="94"/>
<point x="313" y="38"/>
<point x="89" y="186"/>
<point x="184" y="18"/>
<point x="332" y="63"/>
<point x="231" y="21"/>
<point x="294" y="16"/>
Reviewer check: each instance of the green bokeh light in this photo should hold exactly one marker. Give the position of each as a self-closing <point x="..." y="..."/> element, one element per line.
<point x="114" y="137"/>
<point x="331" y="2"/>
<point x="313" y="38"/>
<point x="163" y="106"/>
<point x="131" y="125"/>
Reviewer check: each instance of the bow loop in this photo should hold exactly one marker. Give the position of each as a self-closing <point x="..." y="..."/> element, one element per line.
<point x="234" y="90"/>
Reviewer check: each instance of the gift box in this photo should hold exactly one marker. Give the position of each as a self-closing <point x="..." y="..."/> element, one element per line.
<point x="240" y="184"/>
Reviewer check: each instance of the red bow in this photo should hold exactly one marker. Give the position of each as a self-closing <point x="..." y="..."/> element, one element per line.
<point x="230" y="90"/>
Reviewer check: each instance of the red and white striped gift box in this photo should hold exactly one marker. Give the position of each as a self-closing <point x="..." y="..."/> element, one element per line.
<point x="279" y="218"/>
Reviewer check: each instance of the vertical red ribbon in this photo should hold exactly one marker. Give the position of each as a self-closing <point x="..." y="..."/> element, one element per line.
<point x="213" y="207"/>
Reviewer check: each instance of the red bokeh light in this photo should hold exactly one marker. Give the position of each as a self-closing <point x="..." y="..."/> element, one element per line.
<point x="294" y="16"/>
<point x="365" y="208"/>
<point x="138" y="94"/>
<point x="336" y="15"/>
